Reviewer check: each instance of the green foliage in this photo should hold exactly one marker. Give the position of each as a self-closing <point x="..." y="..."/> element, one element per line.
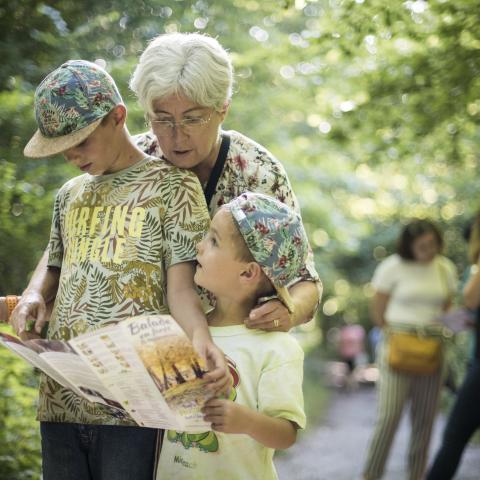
<point x="19" y="436"/>
<point x="372" y="106"/>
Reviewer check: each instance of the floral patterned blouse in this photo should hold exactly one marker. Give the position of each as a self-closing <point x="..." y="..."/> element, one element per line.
<point x="248" y="167"/>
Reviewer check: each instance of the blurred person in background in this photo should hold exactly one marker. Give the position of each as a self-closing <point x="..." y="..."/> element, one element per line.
<point x="351" y="346"/>
<point x="374" y="338"/>
<point x="464" y="417"/>
<point x="412" y="288"/>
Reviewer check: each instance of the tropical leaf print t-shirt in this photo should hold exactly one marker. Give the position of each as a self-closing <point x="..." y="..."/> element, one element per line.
<point x="114" y="237"/>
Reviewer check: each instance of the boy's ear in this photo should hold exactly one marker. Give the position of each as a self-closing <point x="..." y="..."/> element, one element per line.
<point x="119" y="115"/>
<point x="251" y="273"/>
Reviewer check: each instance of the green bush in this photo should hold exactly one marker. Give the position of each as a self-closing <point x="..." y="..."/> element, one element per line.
<point x="19" y="431"/>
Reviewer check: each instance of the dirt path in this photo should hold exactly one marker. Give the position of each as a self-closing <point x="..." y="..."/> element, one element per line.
<point x="336" y="449"/>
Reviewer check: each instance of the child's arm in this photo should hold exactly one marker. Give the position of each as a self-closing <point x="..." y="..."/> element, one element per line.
<point x="230" y="417"/>
<point x="32" y="306"/>
<point x="185" y="307"/>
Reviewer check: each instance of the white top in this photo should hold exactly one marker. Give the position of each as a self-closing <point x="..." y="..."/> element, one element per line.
<point x="417" y="291"/>
<point x="267" y="369"/>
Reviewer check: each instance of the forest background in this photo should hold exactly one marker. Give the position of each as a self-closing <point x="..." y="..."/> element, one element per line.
<point x="372" y="106"/>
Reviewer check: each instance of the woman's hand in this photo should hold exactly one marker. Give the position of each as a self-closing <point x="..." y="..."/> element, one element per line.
<point x="271" y="316"/>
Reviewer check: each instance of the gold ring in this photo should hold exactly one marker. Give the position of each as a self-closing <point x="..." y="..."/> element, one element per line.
<point x="276" y="322"/>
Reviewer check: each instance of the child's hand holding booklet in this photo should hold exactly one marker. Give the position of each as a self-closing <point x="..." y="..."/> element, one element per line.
<point x="144" y="367"/>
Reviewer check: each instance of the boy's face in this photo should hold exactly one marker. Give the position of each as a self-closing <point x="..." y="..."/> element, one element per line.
<point x="218" y="268"/>
<point x="99" y="153"/>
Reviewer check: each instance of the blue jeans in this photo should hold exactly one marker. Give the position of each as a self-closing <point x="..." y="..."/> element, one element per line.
<point x="73" y="451"/>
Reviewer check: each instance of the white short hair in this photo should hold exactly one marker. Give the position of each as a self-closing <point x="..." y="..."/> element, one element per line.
<point x="189" y="64"/>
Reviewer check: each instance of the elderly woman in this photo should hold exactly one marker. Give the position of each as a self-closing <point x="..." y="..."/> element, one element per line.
<point x="184" y="84"/>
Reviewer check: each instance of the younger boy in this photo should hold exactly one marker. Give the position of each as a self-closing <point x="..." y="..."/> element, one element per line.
<point x="120" y="234"/>
<point x="254" y="248"/>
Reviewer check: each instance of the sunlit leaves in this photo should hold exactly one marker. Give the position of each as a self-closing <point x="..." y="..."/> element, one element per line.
<point x="372" y="106"/>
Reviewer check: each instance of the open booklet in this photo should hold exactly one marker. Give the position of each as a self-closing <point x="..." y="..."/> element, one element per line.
<point x="144" y="366"/>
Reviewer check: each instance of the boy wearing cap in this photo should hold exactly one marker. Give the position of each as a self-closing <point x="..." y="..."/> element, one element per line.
<point x="253" y="249"/>
<point x="120" y="233"/>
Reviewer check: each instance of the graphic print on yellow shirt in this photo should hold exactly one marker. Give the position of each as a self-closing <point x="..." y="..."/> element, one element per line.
<point x="114" y="238"/>
<point x="83" y="224"/>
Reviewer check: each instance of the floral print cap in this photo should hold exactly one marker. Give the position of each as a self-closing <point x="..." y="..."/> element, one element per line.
<point x="275" y="236"/>
<point x="69" y="104"/>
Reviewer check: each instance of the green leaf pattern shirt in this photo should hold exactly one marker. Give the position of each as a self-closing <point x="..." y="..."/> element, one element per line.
<point x="114" y="237"/>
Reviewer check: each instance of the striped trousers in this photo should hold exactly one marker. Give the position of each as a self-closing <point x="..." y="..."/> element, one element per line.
<point x="395" y="390"/>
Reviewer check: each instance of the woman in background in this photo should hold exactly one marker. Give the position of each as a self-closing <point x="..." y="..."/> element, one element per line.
<point x="412" y="288"/>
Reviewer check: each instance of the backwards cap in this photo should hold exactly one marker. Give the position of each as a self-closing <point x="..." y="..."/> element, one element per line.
<point x="69" y="104"/>
<point x="275" y="236"/>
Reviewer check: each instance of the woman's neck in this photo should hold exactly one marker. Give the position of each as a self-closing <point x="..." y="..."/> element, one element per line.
<point x="229" y="312"/>
<point x="204" y="169"/>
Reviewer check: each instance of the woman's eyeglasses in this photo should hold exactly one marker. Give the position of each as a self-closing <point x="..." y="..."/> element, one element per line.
<point x="188" y="125"/>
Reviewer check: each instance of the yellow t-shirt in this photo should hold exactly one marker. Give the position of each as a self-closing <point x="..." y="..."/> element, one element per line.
<point x="267" y="369"/>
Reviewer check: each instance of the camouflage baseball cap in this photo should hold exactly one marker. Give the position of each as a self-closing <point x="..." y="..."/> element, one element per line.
<point x="275" y="236"/>
<point x="69" y="104"/>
